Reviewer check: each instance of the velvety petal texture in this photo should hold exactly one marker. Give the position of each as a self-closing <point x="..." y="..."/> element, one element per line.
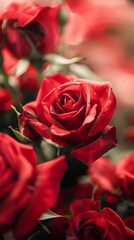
<point x="90" y="222"/>
<point x="27" y="190"/>
<point x="72" y="111"/>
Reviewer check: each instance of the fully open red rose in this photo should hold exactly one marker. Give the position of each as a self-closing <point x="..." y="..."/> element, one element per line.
<point x="89" y="222"/>
<point x="72" y="111"/>
<point x="26" y="189"/>
<point x="33" y="23"/>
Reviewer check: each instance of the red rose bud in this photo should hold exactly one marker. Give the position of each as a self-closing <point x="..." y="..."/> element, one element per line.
<point x="34" y="29"/>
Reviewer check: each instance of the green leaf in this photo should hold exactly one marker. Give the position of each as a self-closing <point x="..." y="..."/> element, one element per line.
<point x="49" y="215"/>
<point x="44" y="227"/>
<point x="19" y="136"/>
<point x="18" y="113"/>
<point x="21" y="67"/>
<point x="63" y="18"/>
<point x="57" y="59"/>
<point x="83" y="71"/>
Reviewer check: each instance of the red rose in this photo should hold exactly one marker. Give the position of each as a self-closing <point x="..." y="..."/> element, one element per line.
<point x="125" y="173"/>
<point x="103" y="173"/>
<point x="26" y="189"/>
<point x="116" y="178"/>
<point x="72" y="111"/>
<point x="38" y="23"/>
<point x="89" y="222"/>
<point x="6" y="100"/>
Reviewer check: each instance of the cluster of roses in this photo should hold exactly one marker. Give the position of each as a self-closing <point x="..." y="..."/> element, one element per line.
<point x="67" y="118"/>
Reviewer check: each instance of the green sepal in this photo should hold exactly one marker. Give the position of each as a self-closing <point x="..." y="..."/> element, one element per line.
<point x="19" y="136"/>
<point x="14" y="108"/>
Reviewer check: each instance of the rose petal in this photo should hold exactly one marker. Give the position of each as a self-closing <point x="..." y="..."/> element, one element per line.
<point x="96" y="149"/>
<point x="48" y="180"/>
<point x="103" y="174"/>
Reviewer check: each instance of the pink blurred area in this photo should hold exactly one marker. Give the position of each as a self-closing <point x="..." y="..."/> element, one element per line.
<point x="103" y="33"/>
<point x="46" y="2"/>
<point x="5" y="3"/>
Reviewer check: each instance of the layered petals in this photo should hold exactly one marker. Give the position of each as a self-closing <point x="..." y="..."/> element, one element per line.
<point x="24" y="19"/>
<point x="72" y="111"/>
<point x="27" y="189"/>
<point x="90" y="222"/>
